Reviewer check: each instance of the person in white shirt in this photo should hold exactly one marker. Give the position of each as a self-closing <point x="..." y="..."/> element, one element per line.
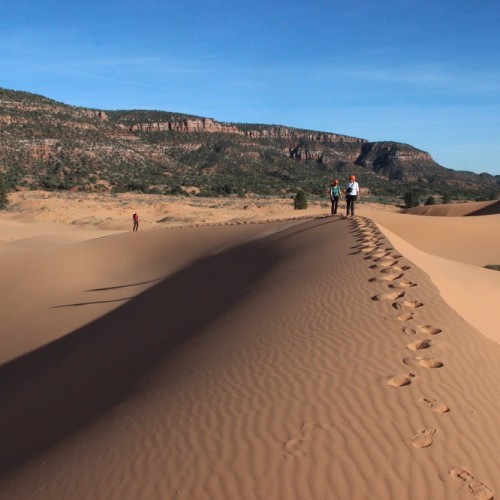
<point x="351" y="194"/>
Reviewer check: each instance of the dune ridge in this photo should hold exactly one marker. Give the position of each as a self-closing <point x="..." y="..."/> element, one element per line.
<point x="307" y="358"/>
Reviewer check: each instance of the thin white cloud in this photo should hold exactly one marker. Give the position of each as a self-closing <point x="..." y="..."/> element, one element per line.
<point x="426" y="78"/>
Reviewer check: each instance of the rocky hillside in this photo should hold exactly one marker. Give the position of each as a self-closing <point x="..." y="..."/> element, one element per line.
<point x="50" y="145"/>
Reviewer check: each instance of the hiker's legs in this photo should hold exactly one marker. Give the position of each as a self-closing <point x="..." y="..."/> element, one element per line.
<point x="353" y="202"/>
<point x="335" y="204"/>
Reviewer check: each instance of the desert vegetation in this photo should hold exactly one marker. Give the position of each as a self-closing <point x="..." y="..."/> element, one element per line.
<point x="52" y="146"/>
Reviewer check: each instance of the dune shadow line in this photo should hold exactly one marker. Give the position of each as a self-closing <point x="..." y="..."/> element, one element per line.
<point x="105" y="289"/>
<point x="492" y="209"/>
<point x="48" y="394"/>
<point x="79" y="304"/>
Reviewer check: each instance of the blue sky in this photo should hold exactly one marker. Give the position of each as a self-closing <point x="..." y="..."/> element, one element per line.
<point x="426" y="73"/>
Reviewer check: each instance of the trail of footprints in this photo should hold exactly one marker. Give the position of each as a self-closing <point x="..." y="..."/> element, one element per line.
<point x="390" y="271"/>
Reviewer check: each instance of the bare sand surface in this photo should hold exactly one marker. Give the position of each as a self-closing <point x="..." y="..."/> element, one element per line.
<point x="237" y="357"/>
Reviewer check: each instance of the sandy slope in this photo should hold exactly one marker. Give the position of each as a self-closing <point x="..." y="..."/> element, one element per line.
<point x="453" y="247"/>
<point x="306" y="358"/>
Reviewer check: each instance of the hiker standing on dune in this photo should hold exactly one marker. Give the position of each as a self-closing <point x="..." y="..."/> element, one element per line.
<point x="335" y="195"/>
<point x="135" y="218"/>
<point x="351" y="194"/>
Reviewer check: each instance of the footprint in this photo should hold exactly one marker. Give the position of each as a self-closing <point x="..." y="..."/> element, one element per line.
<point x="402" y="284"/>
<point x="412" y="304"/>
<point x="386" y="277"/>
<point x="434" y="405"/>
<point x="401" y="380"/>
<point x="406" y="316"/>
<point x="423" y="439"/>
<point x="420" y="344"/>
<point x="386" y="265"/>
<point x="388" y="296"/>
<point x="428" y="329"/>
<point x="430" y="363"/>
<point x="480" y="491"/>
<point x="380" y="254"/>
<point x="294" y="447"/>
<point x="383" y="254"/>
<point x="297" y="447"/>
<point x="476" y="489"/>
<point x="386" y="262"/>
<point x="394" y="269"/>
<point x="400" y="268"/>
<point x="408" y="330"/>
<point x="461" y="475"/>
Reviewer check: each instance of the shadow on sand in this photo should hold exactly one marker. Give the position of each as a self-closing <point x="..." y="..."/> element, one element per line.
<point x="49" y="393"/>
<point x="492" y="209"/>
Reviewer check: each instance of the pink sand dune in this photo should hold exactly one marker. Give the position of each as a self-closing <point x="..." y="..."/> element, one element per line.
<point x="307" y="358"/>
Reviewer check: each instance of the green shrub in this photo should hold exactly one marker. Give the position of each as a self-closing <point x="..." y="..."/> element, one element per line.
<point x="430" y="201"/>
<point x="177" y="190"/>
<point x="411" y="199"/>
<point x="300" y="200"/>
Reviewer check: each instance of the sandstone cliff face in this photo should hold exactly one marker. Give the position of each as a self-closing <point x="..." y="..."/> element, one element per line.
<point x="371" y="151"/>
<point x="272" y="132"/>
<point x="294" y="135"/>
<point x="199" y="125"/>
<point x="394" y="160"/>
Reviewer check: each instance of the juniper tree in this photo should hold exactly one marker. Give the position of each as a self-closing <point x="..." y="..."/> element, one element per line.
<point x="300" y="200"/>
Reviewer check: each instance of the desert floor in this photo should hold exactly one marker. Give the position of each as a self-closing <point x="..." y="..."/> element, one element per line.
<point x="236" y="348"/>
